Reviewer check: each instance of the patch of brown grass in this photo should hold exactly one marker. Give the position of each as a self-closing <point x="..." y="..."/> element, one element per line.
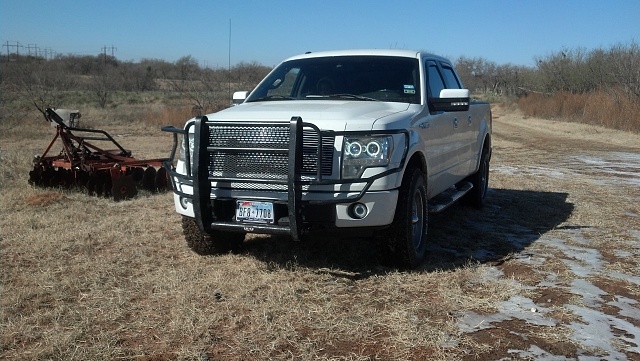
<point x="44" y="199"/>
<point x="613" y="109"/>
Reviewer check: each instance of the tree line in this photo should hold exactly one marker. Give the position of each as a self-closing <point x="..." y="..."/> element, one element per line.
<point x="578" y="71"/>
<point x="41" y="82"/>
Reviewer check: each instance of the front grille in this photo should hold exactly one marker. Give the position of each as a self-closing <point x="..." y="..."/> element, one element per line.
<point x="250" y="136"/>
<point x="261" y="151"/>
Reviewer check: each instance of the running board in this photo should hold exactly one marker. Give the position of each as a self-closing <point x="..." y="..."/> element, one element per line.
<point x="443" y="200"/>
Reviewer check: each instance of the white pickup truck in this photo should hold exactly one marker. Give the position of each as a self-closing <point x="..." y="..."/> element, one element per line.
<point x="364" y="142"/>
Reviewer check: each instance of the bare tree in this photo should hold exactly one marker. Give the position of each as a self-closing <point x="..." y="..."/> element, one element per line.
<point x="37" y="83"/>
<point x="625" y="61"/>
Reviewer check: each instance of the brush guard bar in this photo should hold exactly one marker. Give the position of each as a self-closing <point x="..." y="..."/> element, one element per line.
<point x="199" y="178"/>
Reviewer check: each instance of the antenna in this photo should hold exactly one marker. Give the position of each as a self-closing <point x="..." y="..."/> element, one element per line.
<point x="229" y="67"/>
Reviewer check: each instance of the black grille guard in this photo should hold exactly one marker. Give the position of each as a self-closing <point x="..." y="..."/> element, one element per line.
<point x="201" y="183"/>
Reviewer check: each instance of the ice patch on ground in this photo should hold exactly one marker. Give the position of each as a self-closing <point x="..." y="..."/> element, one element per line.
<point x="530" y="171"/>
<point x="596" y="331"/>
<point x="616" y="167"/>
<point x="536" y="353"/>
<point x="583" y="262"/>
<point x="589" y="292"/>
<point x="515" y="308"/>
<point x="601" y="336"/>
<point x="608" y="168"/>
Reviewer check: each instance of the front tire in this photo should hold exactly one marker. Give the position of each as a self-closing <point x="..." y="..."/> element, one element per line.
<point x="204" y="243"/>
<point x="407" y="237"/>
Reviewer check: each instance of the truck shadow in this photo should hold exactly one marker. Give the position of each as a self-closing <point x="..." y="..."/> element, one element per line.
<point x="510" y="221"/>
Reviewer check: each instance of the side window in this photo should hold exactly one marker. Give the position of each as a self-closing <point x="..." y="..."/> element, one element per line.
<point x="435" y="80"/>
<point x="450" y="77"/>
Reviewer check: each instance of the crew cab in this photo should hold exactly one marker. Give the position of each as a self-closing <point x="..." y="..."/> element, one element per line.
<point x="363" y="142"/>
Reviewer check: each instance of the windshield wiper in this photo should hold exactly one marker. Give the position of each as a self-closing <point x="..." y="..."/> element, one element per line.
<point x="272" y="97"/>
<point x="348" y="96"/>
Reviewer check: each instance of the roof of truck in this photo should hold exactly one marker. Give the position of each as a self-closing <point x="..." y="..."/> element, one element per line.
<point x="373" y="52"/>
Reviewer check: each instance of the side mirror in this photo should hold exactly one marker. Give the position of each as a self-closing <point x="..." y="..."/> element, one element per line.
<point x="239" y="97"/>
<point x="451" y="100"/>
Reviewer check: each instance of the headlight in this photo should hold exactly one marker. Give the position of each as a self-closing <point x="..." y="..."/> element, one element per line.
<point x="359" y="153"/>
<point x="183" y="152"/>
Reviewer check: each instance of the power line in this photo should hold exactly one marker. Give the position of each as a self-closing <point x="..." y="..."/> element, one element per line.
<point x="8" y="46"/>
<point x="13" y="50"/>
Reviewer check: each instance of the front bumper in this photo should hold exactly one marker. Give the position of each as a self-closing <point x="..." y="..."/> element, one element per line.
<point x="209" y="196"/>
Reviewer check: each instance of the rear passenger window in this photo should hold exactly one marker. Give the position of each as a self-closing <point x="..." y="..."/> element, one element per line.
<point x="450" y="78"/>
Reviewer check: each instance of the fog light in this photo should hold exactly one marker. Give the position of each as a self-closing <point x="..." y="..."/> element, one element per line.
<point x="184" y="202"/>
<point x="358" y="210"/>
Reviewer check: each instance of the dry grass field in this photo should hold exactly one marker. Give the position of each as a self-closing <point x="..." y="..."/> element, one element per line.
<point x="549" y="269"/>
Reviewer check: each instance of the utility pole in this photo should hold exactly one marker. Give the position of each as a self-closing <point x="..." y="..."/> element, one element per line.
<point x="34" y="47"/>
<point x="104" y="55"/>
<point x="7" y="46"/>
<point x="48" y="53"/>
<point x="17" y="46"/>
<point x="104" y="52"/>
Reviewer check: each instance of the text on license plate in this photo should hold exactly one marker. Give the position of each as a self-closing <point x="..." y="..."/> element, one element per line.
<point x="253" y="211"/>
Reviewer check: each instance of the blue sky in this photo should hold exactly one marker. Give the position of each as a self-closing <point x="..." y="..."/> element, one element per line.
<point x="266" y="31"/>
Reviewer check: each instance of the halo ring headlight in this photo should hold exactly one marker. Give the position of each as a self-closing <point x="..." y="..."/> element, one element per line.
<point x="355" y="149"/>
<point x="373" y="148"/>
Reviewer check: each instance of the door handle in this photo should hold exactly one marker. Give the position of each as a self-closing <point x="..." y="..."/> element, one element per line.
<point x="469" y="120"/>
<point x="455" y="122"/>
<point x="424" y="125"/>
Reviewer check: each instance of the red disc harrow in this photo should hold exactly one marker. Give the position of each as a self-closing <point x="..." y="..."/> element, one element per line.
<point x="110" y="173"/>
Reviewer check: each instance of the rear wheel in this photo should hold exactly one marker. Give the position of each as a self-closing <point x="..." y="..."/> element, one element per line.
<point x="204" y="243"/>
<point x="407" y="237"/>
<point x="480" y="181"/>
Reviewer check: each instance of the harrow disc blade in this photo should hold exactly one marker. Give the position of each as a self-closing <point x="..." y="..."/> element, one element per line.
<point x="107" y="187"/>
<point x="35" y="176"/>
<point x="82" y="178"/>
<point x="101" y="179"/>
<point x="137" y="173"/>
<point x="123" y="187"/>
<point x="162" y="180"/>
<point x="149" y="179"/>
<point x="66" y="179"/>
<point x="48" y="178"/>
<point x="91" y="185"/>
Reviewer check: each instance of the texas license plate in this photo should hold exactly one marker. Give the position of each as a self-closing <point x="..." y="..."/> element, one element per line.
<point x="253" y="211"/>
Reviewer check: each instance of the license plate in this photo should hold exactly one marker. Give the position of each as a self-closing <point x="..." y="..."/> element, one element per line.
<point x="252" y="211"/>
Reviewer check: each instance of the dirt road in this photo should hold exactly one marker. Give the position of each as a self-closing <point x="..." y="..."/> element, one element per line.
<point x="563" y="222"/>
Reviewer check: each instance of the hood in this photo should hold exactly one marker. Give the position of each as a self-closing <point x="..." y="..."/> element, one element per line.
<point x="327" y="114"/>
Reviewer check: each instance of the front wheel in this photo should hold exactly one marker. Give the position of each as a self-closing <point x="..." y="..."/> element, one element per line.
<point x="204" y="243"/>
<point x="407" y="237"/>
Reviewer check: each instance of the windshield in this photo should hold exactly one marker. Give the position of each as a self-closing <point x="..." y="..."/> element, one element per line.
<point x="360" y="78"/>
